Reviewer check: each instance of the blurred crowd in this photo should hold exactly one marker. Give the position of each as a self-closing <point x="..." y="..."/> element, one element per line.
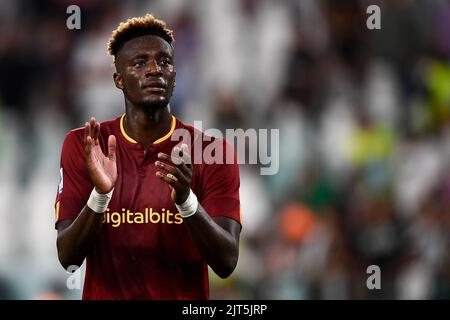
<point x="363" y="116"/>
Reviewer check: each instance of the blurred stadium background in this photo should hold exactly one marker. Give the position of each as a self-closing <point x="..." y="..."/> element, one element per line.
<point x="364" y="119"/>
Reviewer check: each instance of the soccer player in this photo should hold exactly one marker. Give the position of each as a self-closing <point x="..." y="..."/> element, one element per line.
<point x="147" y="221"/>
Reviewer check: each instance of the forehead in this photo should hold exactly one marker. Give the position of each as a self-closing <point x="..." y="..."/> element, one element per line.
<point x="147" y="44"/>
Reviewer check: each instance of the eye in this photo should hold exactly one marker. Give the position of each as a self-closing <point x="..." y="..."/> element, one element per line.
<point x="165" y="62"/>
<point x="139" y="63"/>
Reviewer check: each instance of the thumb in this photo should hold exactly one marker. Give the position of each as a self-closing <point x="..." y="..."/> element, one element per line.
<point x="112" y="148"/>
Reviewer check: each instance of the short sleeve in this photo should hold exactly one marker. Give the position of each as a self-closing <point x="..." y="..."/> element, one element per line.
<point x="74" y="183"/>
<point x="220" y="187"/>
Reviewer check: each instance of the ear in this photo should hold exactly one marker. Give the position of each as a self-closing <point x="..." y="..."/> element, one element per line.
<point x="118" y="81"/>
<point x="175" y="78"/>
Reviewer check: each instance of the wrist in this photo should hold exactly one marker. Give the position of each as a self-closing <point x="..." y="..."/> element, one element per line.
<point x="102" y="191"/>
<point x="189" y="206"/>
<point x="183" y="199"/>
<point x="98" y="202"/>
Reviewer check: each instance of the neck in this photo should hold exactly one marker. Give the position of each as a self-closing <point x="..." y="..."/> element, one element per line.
<point x="146" y="127"/>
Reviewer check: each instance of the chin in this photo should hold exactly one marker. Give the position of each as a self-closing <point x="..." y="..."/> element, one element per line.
<point x="153" y="105"/>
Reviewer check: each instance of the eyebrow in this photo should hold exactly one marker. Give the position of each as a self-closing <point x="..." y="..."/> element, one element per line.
<point x="146" y="55"/>
<point x="140" y="56"/>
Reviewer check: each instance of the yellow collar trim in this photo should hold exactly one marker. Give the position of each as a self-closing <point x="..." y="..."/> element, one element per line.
<point x="165" y="137"/>
<point x="123" y="131"/>
<point x="57" y="212"/>
<point x="172" y="129"/>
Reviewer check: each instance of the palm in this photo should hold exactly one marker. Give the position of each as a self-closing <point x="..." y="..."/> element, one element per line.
<point x="102" y="168"/>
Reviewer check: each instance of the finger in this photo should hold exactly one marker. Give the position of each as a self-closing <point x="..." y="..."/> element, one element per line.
<point x="88" y="146"/>
<point x="167" y="175"/>
<point x="176" y="158"/>
<point x="174" y="171"/>
<point x="185" y="170"/>
<point x="89" y="133"/>
<point x="96" y="132"/>
<point x="170" y="169"/>
<point x="86" y="130"/>
<point x="92" y="122"/>
<point x="112" y="148"/>
<point x="170" y="181"/>
<point x="173" y="159"/>
<point x="186" y="165"/>
<point x="94" y="127"/>
<point x="93" y="132"/>
<point x="165" y="157"/>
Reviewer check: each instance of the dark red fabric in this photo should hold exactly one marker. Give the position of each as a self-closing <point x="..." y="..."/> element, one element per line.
<point x="148" y="253"/>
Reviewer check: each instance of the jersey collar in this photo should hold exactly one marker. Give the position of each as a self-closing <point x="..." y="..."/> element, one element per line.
<point x="131" y="141"/>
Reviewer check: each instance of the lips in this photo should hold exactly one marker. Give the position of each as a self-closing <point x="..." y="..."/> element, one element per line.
<point x="155" y="84"/>
<point x="154" y="87"/>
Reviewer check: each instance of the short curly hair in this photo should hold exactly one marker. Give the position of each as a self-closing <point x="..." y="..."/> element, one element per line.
<point x="136" y="27"/>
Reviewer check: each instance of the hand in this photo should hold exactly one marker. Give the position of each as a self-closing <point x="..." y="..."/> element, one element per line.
<point x="102" y="169"/>
<point x="181" y="178"/>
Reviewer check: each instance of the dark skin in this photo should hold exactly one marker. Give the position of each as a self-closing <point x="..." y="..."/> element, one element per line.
<point x="146" y="75"/>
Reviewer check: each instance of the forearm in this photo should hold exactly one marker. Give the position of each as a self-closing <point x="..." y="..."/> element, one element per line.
<point x="76" y="238"/>
<point x="75" y="241"/>
<point x="218" y="247"/>
<point x="217" y="240"/>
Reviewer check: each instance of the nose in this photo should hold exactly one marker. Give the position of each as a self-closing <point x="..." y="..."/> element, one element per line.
<point x="153" y="69"/>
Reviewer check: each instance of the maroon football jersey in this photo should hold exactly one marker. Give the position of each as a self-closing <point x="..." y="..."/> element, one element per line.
<point x="144" y="250"/>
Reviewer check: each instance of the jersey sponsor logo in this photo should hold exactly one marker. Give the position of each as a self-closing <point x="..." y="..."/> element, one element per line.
<point x="60" y="186"/>
<point x="116" y="219"/>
